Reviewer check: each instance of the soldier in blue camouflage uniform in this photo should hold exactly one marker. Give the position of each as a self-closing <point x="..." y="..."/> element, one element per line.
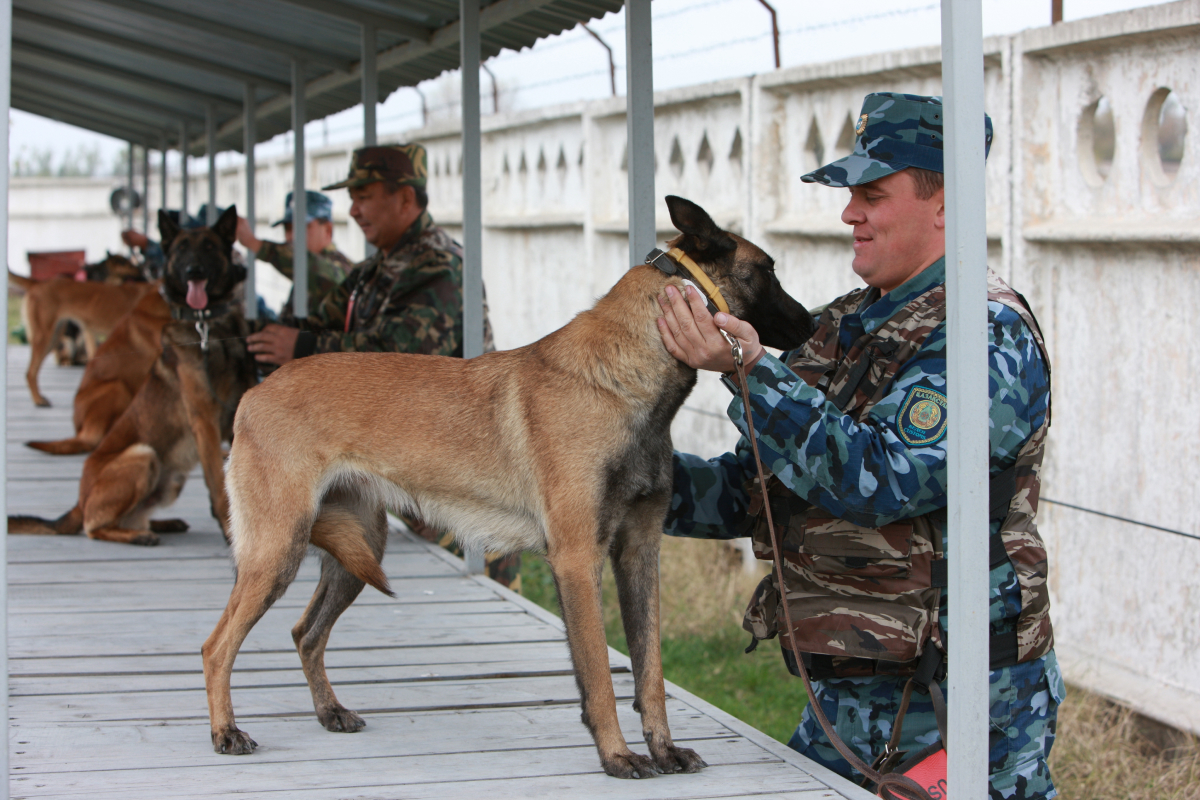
<point x="406" y="298"/>
<point x="327" y="266"/>
<point x="888" y="465"/>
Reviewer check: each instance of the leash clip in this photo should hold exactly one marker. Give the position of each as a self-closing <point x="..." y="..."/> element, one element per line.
<point x="202" y="329"/>
<point x="735" y="347"/>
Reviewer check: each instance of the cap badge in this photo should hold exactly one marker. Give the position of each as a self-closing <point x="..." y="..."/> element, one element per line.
<point x="862" y="125"/>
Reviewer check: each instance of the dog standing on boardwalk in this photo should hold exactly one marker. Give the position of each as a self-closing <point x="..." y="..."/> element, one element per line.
<point x="184" y="409"/>
<point x="563" y="445"/>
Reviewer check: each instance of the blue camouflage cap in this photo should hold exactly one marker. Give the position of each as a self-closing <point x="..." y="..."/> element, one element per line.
<point x="319" y="206"/>
<point x="894" y="132"/>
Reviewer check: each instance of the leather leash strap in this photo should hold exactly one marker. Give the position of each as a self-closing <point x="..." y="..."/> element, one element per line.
<point x="892" y="786"/>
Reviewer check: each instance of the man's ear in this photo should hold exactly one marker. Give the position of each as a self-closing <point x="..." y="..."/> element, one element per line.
<point x="939" y="220"/>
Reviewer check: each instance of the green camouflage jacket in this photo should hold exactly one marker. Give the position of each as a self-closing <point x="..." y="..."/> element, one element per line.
<point x="326" y="270"/>
<point x="406" y="301"/>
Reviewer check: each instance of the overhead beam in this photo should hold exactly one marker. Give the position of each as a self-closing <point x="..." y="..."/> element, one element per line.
<point x="145" y="49"/>
<point x="363" y="16"/>
<point x="22" y="50"/>
<point x="226" y="31"/>
<point x="92" y="95"/>
<point x="42" y="108"/>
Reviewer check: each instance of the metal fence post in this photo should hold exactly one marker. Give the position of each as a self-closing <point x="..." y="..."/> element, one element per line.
<point x="639" y="124"/>
<point x="967" y="397"/>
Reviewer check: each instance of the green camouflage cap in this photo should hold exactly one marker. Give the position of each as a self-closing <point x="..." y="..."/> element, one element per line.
<point x="894" y="132"/>
<point x="403" y="163"/>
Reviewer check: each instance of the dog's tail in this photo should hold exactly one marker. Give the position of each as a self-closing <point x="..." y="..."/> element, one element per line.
<point x="20" y="282"/>
<point x="339" y="532"/>
<point x="69" y="523"/>
<point x="63" y="447"/>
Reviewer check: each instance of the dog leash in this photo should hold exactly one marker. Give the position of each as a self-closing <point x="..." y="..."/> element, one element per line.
<point x="891" y="786"/>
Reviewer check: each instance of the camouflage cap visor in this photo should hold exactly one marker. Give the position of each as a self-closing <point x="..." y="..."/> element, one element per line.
<point x="404" y="164"/>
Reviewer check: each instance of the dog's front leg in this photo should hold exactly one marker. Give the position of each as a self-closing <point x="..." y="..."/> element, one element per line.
<point x="635" y="567"/>
<point x="576" y="568"/>
<point x="203" y="418"/>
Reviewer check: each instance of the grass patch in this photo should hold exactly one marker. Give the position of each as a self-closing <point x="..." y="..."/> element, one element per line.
<point x="703" y="642"/>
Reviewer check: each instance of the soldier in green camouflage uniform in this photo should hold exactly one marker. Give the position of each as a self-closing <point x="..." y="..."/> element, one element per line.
<point x="852" y="428"/>
<point x="327" y="266"/>
<point x="406" y="298"/>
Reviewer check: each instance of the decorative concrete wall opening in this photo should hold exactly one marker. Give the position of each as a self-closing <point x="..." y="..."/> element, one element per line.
<point x="676" y="160"/>
<point x="704" y="157"/>
<point x="1164" y="132"/>
<point x="845" y="140"/>
<point x="814" y="148"/>
<point x="1097" y="141"/>
<point x="735" y="149"/>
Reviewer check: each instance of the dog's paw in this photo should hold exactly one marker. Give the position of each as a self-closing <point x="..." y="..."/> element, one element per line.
<point x="233" y="742"/>
<point x="629" y="765"/>
<point x="168" y="526"/>
<point x="147" y="539"/>
<point x="42" y="403"/>
<point x="341" y="720"/>
<point x="677" y="759"/>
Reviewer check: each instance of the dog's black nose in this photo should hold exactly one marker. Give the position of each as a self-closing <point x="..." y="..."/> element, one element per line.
<point x="194" y="273"/>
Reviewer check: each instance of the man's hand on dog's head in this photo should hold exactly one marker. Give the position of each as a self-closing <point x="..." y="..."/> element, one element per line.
<point x="274" y="344"/>
<point x="694" y="337"/>
<point x="246" y="237"/>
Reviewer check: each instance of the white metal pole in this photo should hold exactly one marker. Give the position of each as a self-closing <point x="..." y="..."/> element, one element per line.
<point x="299" y="200"/>
<point x="162" y="175"/>
<point x="967" y="397"/>
<point x="639" y="124"/>
<point x="210" y="145"/>
<point x="5" y="75"/>
<point x="250" y="138"/>
<point x="145" y="190"/>
<point x="183" y="174"/>
<point x="472" y="200"/>
<point x="129" y="187"/>
<point x="370" y="85"/>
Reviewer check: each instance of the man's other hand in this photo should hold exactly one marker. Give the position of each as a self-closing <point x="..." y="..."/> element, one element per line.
<point x="694" y="337"/>
<point x="245" y="236"/>
<point x="274" y="344"/>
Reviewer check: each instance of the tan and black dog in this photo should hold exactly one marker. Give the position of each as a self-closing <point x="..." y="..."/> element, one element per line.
<point x="184" y="409"/>
<point x="562" y="446"/>
<point x="114" y="375"/>
<point x="95" y="306"/>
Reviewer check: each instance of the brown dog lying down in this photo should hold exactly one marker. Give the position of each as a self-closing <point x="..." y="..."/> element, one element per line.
<point x="114" y="375"/>
<point x="563" y="446"/>
<point x="182" y="411"/>
<point x="95" y="306"/>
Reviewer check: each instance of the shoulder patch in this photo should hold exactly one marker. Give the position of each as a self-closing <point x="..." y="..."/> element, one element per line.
<point x="921" y="420"/>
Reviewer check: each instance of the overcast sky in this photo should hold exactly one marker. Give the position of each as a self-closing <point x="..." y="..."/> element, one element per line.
<point x="695" y="41"/>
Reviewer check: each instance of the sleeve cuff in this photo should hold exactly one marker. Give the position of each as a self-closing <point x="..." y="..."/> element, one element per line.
<point x="306" y="344"/>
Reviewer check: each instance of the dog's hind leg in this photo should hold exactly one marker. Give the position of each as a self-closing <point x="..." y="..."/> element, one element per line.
<point x="635" y="567"/>
<point x="576" y="558"/>
<point x="42" y="335"/>
<point x="267" y="559"/>
<point x="116" y="494"/>
<point x="356" y="533"/>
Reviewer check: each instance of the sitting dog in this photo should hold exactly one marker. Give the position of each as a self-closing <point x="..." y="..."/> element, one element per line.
<point x="185" y="407"/>
<point x="114" y="375"/>
<point x="562" y="446"/>
<point x="95" y="306"/>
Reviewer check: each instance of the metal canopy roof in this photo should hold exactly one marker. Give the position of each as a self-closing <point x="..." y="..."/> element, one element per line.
<point x="137" y="69"/>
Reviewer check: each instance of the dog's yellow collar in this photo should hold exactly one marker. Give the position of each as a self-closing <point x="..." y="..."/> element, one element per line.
<point x="693" y="271"/>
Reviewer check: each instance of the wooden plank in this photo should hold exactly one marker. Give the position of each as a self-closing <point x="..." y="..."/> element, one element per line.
<point x="365" y="698"/>
<point x="80" y="748"/>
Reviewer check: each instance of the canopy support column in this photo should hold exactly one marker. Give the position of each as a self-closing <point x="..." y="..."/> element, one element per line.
<point x="210" y="145"/>
<point x="299" y="204"/>
<point x="370" y="86"/>
<point x="639" y="124"/>
<point x="5" y="95"/>
<point x="183" y="174"/>
<point x="967" y="396"/>
<point x="162" y="174"/>
<point x="472" y="200"/>
<point x="129" y="187"/>
<point x="250" y="133"/>
<point x="145" y="190"/>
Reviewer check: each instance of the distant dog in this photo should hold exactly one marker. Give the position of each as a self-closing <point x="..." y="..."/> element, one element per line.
<point x="563" y="446"/>
<point x="70" y="348"/>
<point x="183" y="410"/>
<point x="114" y="375"/>
<point x="94" y="306"/>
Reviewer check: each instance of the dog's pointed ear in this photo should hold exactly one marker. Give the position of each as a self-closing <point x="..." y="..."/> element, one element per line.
<point x="167" y="229"/>
<point x="226" y="225"/>
<point x="700" y="232"/>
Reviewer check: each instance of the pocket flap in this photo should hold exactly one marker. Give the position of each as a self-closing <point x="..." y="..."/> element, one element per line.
<point x="843" y="539"/>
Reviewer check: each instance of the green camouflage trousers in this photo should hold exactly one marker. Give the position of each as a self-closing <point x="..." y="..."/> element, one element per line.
<point x="504" y="569"/>
<point x="1024" y="712"/>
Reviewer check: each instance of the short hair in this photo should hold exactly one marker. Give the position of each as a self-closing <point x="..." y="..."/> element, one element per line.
<point x="419" y="193"/>
<point x="926" y="182"/>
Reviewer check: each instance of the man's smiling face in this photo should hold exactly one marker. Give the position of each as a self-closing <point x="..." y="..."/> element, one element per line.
<point x="896" y="234"/>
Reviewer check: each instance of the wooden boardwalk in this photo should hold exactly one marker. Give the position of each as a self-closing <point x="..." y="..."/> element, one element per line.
<point x="466" y="687"/>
